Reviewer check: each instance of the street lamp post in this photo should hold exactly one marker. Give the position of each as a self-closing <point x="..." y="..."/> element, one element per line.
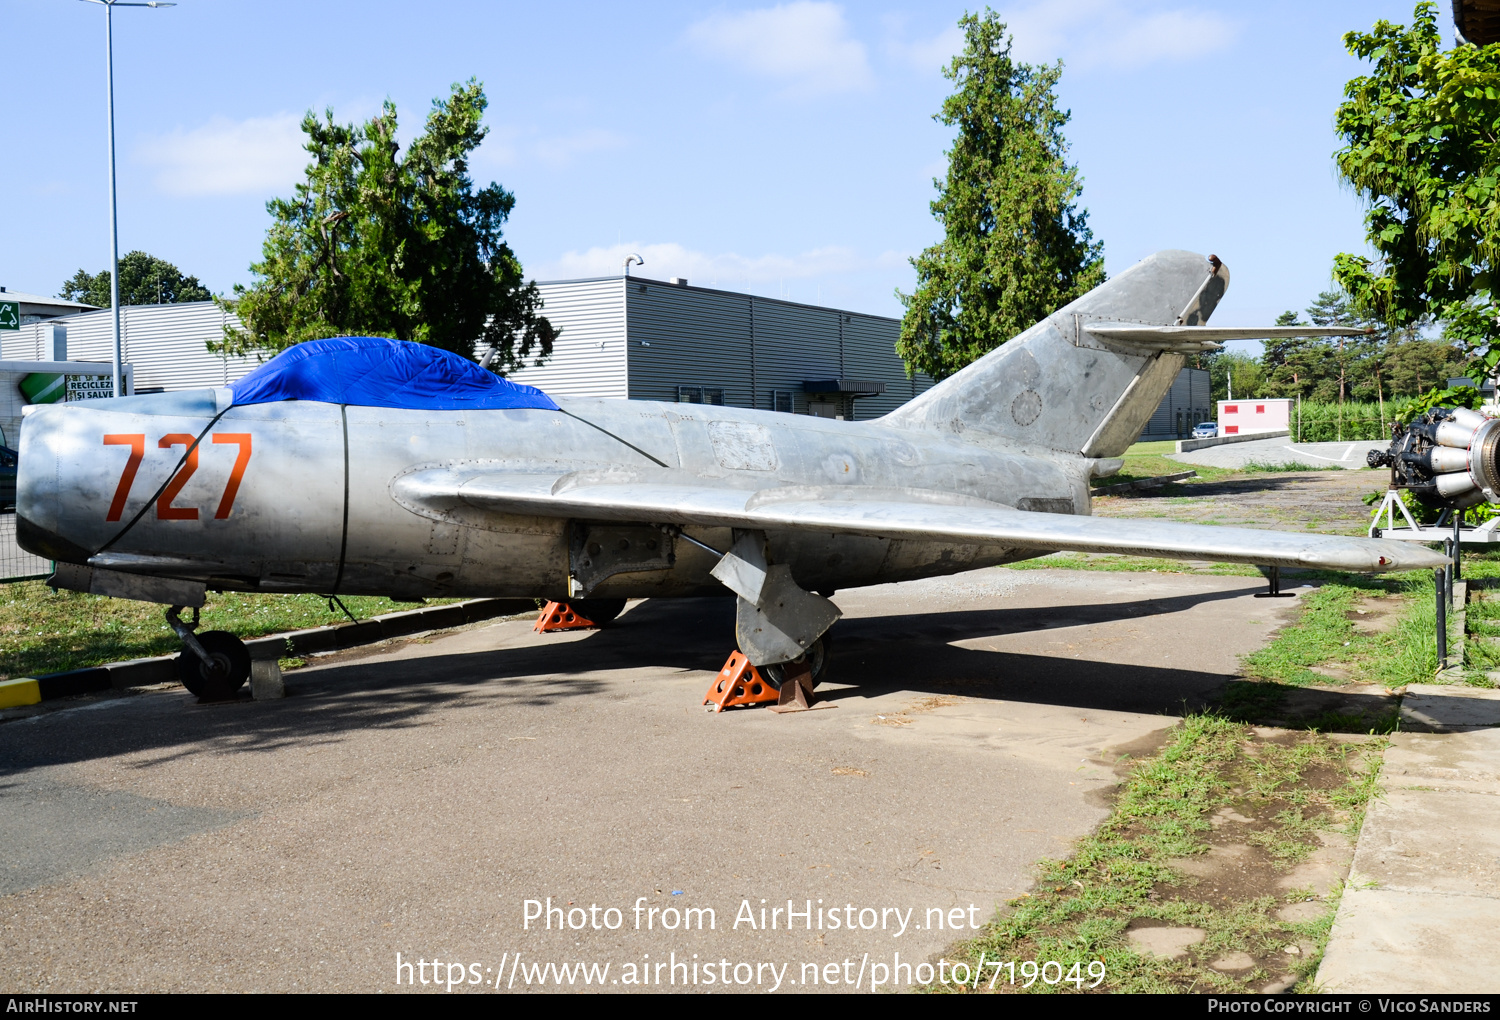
<point x="114" y="219"/>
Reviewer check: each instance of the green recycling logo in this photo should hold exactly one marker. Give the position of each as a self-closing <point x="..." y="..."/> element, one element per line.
<point x="10" y="315"/>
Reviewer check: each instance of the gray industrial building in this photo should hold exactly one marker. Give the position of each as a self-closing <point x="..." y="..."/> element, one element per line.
<point x="620" y="337"/>
<point x="1187" y="403"/>
<point x="654" y="340"/>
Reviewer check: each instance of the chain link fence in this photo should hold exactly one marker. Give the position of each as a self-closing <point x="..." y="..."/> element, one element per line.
<point x="16" y="564"/>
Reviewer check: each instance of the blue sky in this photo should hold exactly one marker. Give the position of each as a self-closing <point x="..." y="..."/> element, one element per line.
<point x="782" y="149"/>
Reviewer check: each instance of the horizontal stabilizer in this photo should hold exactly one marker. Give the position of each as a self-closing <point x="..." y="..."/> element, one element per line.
<point x="1195" y="339"/>
<point x="457" y="493"/>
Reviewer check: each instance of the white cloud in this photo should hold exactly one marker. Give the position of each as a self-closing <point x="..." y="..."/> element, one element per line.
<point x="923" y="54"/>
<point x="804" y="45"/>
<point x="1115" y="33"/>
<point x="259" y="155"/>
<point x="563" y="149"/>
<point x="507" y="146"/>
<point x="726" y="269"/>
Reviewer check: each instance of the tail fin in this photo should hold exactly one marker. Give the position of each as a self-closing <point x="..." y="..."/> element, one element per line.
<point x="1060" y="386"/>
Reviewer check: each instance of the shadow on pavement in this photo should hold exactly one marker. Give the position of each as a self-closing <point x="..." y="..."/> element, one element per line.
<point x="872" y="655"/>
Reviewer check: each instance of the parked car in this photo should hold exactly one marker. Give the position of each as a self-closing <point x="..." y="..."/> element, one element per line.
<point x="1205" y="430"/>
<point x="7" y="478"/>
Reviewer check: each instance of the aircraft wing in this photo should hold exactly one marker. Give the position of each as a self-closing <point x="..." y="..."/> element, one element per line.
<point x="445" y="489"/>
<point x="1196" y="339"/>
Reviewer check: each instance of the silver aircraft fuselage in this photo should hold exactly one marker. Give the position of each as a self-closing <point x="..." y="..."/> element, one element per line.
<point x="304" y="497"/>
<point x="161" y="497"/>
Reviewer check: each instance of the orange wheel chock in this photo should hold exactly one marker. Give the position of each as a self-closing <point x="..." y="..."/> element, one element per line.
<point x="560" y="616"/>
<point x="739" y="683"/>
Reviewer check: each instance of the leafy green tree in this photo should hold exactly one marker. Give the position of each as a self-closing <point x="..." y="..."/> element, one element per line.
<point x="1291" y="363"/>
<point x="144" y="280"/>
<point x="1244" y="371"/>
<point x="378" y="243"/>
<point x="1416" y="366"/>
<point x="1422" y="149"/>
<point x="1016" y="246"/>
<point x="1385" y="363"/>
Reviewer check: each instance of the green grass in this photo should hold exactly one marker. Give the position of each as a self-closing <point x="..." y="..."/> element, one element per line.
<point x="1081" y="907"/>
<point x="1324" y="634"/>
<point x="46" y="631"/>
<point x="1148" y="460"/>
<point x="1144" y="564"/>
<point x="1292" y="788"/>
<point x="1266" y="467"/>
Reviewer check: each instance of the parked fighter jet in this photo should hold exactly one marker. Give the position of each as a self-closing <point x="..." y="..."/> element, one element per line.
<point x="375" y="467"/>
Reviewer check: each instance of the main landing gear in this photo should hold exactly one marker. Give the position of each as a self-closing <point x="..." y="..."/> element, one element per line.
<point x="781" y="631"/>
<point x="781" y="686"/>
<point x="213" y="665"/>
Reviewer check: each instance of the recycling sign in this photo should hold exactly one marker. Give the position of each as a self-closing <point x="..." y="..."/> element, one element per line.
<point x="10" y="315"/>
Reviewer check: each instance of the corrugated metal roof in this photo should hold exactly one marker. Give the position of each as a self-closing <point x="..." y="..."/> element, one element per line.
<point x="32" y="304"/>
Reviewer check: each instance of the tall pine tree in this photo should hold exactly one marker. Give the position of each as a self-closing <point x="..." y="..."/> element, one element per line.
<point x="1016" y="245"/>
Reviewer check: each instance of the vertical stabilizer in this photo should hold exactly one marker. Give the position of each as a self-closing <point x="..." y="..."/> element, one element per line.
<point x="1058" y="386"/>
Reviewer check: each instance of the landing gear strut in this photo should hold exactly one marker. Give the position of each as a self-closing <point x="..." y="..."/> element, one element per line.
<point x="213" y="665"/>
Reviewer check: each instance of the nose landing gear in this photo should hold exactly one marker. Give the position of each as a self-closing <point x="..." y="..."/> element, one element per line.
<point x="213" y="665"/>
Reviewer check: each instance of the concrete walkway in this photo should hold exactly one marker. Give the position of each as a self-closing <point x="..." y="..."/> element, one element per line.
<point x="1350" y="456"/>
<point x="1422" y="905"/>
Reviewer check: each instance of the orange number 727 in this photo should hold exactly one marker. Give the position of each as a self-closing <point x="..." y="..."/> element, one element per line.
<point x="165" y="511"/>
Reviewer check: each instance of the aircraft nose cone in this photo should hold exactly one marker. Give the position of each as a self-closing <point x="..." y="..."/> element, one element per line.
<point x="43" y="452"/>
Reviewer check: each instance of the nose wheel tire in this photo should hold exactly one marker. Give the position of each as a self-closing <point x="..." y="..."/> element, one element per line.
<point x="816" y="657"/>
<point x="221" y="678"/>
<point x="601" y="611"/>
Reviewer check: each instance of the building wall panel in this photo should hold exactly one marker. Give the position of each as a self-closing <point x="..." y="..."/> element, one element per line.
<point x="869" y="343"/>
<point x="589" y="358"/>
<point x="166" y="344"/>
<point x="1185" y="405"/>
<point x="682" y="336"/>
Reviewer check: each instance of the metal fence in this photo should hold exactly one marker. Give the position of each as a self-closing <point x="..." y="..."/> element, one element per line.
<point x="16" y="564"/>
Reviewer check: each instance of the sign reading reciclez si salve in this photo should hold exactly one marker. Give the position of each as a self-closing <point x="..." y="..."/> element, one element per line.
<point x="52" y="387"/>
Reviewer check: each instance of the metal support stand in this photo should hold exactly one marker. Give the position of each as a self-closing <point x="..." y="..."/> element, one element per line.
<point x="1448" y="571"/>
<point x="1458" y="555"/>
<point x="1273" y="575"/>
<point x="1394" y="521"/>
<point x="1442" y="620"/>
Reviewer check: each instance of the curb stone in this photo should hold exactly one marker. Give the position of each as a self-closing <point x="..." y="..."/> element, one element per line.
<point x="264" y="652"/>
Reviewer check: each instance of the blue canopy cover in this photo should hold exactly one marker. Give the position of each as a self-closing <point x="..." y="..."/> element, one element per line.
<point x="372" y="371"/>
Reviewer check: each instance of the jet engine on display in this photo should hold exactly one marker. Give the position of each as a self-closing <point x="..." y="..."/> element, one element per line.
<point x="1449" y="458"/>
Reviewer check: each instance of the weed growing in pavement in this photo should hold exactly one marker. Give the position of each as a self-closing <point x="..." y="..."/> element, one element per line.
<point x="1324" y="633"/>
<point x="1262" y="802"/>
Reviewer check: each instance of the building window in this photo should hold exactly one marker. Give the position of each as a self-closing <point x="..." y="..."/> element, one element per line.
<point x="781" y="400"/>
<point x="700" y="395"/>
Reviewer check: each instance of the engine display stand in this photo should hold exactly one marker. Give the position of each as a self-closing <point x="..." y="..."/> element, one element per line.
<point x="1404" y="528"/>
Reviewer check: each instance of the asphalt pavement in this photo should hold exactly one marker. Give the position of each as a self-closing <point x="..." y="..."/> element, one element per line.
<point x="1347" y="456"/>
<point x="423" y="799"/>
